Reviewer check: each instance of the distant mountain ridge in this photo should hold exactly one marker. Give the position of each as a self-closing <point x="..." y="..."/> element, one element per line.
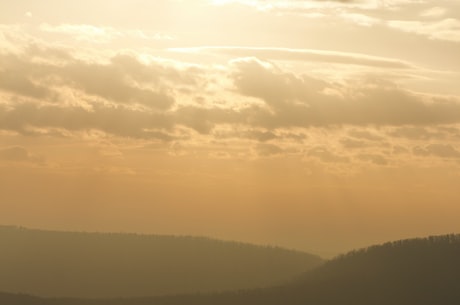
<point x="110" y="265"/>
<point x="422" y="271"/>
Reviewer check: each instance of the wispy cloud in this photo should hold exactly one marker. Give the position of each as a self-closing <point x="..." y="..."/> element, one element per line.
<point x="303" y="55"/>
<point x="446" y="29"/>
<point x="100" y="34"/>
<point x="434" y="12"/>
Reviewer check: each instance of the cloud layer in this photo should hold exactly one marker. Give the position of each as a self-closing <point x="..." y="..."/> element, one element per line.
<point x="186" y="117"/>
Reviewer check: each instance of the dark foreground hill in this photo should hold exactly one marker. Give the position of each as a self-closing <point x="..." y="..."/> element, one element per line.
<point x="93" y="265"/>
<point x="411" y="272"/>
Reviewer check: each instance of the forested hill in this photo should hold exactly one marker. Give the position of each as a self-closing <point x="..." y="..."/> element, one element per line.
<point x="93" y="265"/>
<point x="410" y="272"/>
<point x="22" y="299"/>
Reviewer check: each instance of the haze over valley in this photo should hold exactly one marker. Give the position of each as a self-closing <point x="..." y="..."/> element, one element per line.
<point x="223" y="148"/>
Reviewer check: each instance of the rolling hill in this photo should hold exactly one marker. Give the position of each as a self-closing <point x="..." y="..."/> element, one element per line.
<point x="408" y="272"/>
<point x="97" y="265"/>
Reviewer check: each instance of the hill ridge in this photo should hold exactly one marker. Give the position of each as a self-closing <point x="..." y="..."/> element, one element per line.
<point x="84" y="264"/>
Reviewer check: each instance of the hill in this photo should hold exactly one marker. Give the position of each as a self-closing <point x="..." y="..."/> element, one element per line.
<point x="96" y="265"/>
<point x="21" y="299"/>
<point x="409" y="272"/>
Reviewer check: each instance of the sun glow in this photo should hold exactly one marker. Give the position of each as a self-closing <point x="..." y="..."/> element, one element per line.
<point x="185" y="117"/>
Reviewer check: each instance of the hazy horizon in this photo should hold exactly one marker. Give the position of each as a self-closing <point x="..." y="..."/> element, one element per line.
<point x="322" y="126"/>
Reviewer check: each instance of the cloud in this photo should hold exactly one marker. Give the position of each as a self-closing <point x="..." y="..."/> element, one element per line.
<point x="129" y="98"/>
<point x="446" y="29"/>
<point x="360" y="19"/>
<point x="434" y="12"/>
<point x="111" y="81"/>
<point x="203" y="119"/>
<point x="304" y="55"/>
<point x="99" y="34"/>
<point x="118" y="121"/>
<point x="83" y="32"/>
<point x="364" y="134"/>
<point x="446" y="151"/>
<point x="398" y="149"/>
<point x="343" y="1"/>
<point x="264" y="80"/>
<point x="261" y="136"/>
<point x="51" y="92"/>
<point x="373" y="158"/>
<point x="123" y="80"/>
<point x="278" y="5"/>
<point x="327" y="156"/>
<point x="353" y="144"/>
<point x="267" y="150"/>
<point x="14" y="154"/>
<point x="251" y="134"/>
<point x="19" y="154"/>
<point x="17" y="77"/>
<point x="304" y="101"/>
<point x="416" y="133"/>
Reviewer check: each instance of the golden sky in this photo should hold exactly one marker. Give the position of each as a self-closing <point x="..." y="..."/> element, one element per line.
<point x="309" y="124"/>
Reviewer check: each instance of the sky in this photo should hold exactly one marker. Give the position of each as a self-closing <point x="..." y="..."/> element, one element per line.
<point x="309" y="124"/>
